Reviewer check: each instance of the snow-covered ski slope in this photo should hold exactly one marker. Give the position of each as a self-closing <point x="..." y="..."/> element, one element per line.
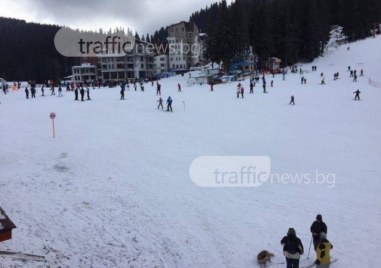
<point x="113" y="188"/>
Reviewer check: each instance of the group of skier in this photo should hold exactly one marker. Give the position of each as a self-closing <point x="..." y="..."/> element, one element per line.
<point x="240" y="90"/>
<point x="293" y="246"/>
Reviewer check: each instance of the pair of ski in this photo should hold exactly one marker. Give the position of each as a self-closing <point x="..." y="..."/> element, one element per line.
<point x="22" y="256"/>
<point x="314" y="264"/>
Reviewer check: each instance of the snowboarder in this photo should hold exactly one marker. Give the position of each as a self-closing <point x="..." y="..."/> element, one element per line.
<point x="292" y="101"/>
<point x="169" y="104"/>
<point x="82" y="91"/>
<point x="160" y="101"/>
<point x="357" y="96"/>
<point x="292" y="248"/>
<point x="323" y="256"/>
<point x="317" y="227"/>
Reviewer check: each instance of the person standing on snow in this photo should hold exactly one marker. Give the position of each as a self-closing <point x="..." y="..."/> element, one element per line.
<point x="27" y="92"/>
<point x="292" y="101"/>
<point x="238" y="90"/>
<point x="122" y="89"/>
<point x="292" y="248"/>
<point x="251" y="87"/>
<point x="178" y="87"/>
<point x="88" y="93"/>
<point x="169" y="104"/>
<point x="242" y="92"/>
<point x="357" y="96"/>
<point x="158" y="89"/>
<point x="317" y="227"/>
<point x="323" y="252"/>
<point x="82" y="91"/>
<point x="160" y="101"/>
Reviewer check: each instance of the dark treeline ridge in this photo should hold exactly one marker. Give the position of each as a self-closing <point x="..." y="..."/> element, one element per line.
<point x="291" y="30"/>
<point x="27" y="52"/>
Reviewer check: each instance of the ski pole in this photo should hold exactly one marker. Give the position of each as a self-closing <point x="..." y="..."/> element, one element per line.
<point x="308" y="255"/>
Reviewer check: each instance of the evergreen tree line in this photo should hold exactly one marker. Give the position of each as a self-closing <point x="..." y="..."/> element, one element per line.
<point x="27" y="52"/>
<point x="291" y="30"/>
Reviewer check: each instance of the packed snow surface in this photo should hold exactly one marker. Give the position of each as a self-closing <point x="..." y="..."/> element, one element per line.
<point x="113" y="188"/>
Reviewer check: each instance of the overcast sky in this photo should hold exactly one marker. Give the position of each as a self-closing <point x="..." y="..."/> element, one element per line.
<point x="145" y="16"/>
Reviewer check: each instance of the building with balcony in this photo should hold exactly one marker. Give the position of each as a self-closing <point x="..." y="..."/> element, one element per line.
<point x="85" y="73"/>
<point x="183" y="45"/>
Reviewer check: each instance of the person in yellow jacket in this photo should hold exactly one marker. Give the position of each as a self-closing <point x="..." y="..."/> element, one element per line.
<point x="323" y="252"/>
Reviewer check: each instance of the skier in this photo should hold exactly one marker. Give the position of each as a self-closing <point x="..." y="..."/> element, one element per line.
<point x="211" y="86"/>
<point x="357" y="96"/>
<point x="318" y="227"/>
<point x="355" y="77"/>
<point x="169" y="104"/>
<point x="88" y="93"/>
<point x="27" y="92"/>
<point x="160" y="101"/>
<point x="361" y="72"/>
<point x="242" y="92"/>
<point x="82" y="91"/>
<point x="323" y="256"/>
<point x="42" y="90"/>
<point x="178" y="87"/>
<point x="251" y="87"/>
<point x="59" y="91"/>
<point x="272" y="83"/>
<point x="292" y="101"/>
<point x="292" y="248"/>
<point x="53" y="91"/>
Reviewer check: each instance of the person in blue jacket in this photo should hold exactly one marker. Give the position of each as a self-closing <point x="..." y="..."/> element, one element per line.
<point x="169" y="104"/>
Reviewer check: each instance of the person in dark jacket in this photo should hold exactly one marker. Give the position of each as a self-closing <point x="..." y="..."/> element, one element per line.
<point x="292" y="101"/>
<point x="169" y="104"/>
<point x="318" y="227"/>
<point x="292" y="248"/>
<point x="82" y="91"/>
<point x="27" y="92"/>
<point x="76" y="93"/>
<point x="357" y="96"/>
